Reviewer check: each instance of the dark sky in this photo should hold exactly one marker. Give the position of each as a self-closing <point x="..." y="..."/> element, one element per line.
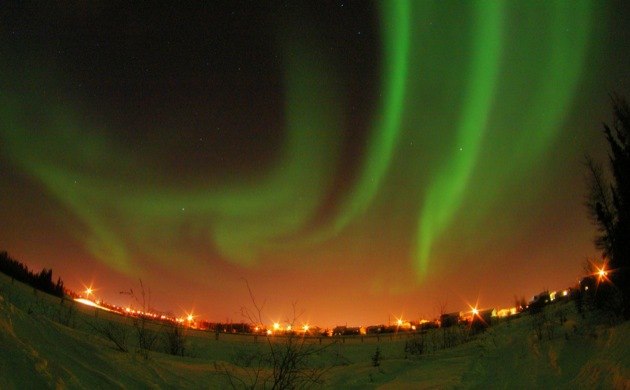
<point x="367" y="160"/>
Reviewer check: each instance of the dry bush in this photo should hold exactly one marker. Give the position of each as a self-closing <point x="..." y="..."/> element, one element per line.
<point x="376" y="358"/>
<point x="118" y="334"/>
<point x="145" y="337"/>
<point x="175" y="340"/>
<point x="539" y="324"/>
<point x="285" y="362"/>
<point x="67" y="313"/>
<point x="415" y="347"/>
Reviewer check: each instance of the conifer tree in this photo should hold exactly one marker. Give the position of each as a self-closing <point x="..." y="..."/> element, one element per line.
<point x="608" y="200"/>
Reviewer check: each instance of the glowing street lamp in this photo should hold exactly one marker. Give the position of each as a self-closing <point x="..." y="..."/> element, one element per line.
<point x="475" y="311"/>
<point x="89" y="292"/>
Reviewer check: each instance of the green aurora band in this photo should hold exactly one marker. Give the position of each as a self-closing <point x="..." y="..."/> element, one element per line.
<point x="506" y="103"/>
<point x="396" y="40"/>
<point x="562" y="49"/>
<point x="243" y="217"/>
<point x="445" y="193"/>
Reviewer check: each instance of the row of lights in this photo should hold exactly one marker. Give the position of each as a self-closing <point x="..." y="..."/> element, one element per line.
<point x="190" y="317"/>
<point x="601" y="273"/>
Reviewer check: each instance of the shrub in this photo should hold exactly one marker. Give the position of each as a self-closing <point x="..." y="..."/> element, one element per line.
<point x="376" y="358"/>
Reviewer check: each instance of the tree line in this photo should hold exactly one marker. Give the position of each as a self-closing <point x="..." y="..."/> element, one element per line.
<point x="40" y="280"/>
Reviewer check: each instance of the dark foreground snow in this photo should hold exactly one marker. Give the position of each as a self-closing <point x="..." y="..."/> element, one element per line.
<point x="44" y="345"/>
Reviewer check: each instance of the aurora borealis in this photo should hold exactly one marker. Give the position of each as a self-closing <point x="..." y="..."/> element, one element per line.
<point x="361" y="159"/>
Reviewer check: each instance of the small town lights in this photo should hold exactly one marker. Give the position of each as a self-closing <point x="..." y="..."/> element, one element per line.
<point x="190" y="317"/>
<point x="475" y="311"/>
<point x="399" y="322"/>
<point x="276" y="326"/>
<point x="289" y="328"/>
<point x="88" y="291"/>
<point x="305" y="327"/>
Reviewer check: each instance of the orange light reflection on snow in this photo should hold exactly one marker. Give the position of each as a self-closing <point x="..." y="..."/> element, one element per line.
<point x="90" y="303"/>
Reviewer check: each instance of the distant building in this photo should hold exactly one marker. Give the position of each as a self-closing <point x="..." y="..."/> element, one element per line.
<point x="588" y="284"/>
<point x="375" y="329"/>
<point x="507" y="312"/>
<point x="486" y="315"/>
<point x="425" y="325"/>
<point x="450" y="319"/>
<point x="347" y="331"/>
<point x="539" y="301"/>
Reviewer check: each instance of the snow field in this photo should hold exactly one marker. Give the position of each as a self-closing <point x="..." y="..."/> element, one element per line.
<point x="45" y="344"/>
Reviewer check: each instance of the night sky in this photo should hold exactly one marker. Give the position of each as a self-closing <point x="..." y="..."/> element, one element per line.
<point x="364" y="160"/>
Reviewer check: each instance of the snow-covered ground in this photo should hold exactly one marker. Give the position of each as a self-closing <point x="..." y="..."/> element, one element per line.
<point x="46" y="342"/>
